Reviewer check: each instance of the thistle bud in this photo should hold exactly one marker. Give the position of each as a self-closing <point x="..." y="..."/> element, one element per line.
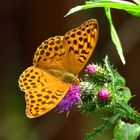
<point x="91" y="68"/>
<point x="103" y="94"/>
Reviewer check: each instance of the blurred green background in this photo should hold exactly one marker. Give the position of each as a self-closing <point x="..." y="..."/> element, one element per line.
<point x="24" y="24"/>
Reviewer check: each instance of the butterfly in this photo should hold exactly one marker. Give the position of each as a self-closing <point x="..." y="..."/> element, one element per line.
<point x="56" y="65"/>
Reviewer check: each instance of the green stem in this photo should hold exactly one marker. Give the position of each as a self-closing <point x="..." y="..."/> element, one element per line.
<point x="108" y="123"/>
<point x="111" y="72"/>
<point x="127" y="112"/>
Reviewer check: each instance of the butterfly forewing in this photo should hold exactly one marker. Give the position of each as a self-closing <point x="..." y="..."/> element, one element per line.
<point x="80" y="43"/>
<point x="50" y="54"/>
<point x="42" y="90"/>
<point x="69" y="53"/>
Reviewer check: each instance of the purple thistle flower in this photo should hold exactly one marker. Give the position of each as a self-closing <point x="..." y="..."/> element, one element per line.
<point x="91" y="68"/>
<point x="103" y="94"/>
<point x="73" y="95"/>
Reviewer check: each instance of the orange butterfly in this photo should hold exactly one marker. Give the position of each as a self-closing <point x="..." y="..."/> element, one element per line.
<point x="56" y="64"/>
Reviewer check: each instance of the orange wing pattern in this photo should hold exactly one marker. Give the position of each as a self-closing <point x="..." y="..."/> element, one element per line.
<point x="80" y="43"/>
<point x="50" y="54"/>
<point x="42" y="90"/>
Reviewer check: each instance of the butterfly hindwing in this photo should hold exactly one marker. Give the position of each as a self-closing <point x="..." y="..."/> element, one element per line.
<point x="80" y="43"/>
<point x="42" y="90"/>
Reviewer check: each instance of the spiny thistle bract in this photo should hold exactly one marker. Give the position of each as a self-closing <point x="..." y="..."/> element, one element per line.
<point x="103" y="88"/>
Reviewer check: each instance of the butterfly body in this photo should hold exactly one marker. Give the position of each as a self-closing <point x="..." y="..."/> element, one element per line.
<point x="56" y="65"/>
<point x="64" y="76"/>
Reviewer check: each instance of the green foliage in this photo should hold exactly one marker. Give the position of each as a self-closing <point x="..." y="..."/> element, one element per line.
<point x="126" y="111"/>
<point x="116" y="4"/>
<point x="137" y="1"/>
<point x="114" y="35"/>
<point x="108" y="123"/>
<point x="117" y="84"/>
<point x="105" y="78"/>
<point x="131" y="8"/>
<point x="98" y="78"/>
<point x="88" y="97"/>
<point x="126" y="131"/>
<point x="116" y="103"/>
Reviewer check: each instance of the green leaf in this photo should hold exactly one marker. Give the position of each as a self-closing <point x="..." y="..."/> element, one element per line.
<point x="78" y="8"/>
<point x="126" y="131"/>
<point x="111" y="73"/>
<point x="133" y="12"/>
<point x="137" y="1"/>
<point x="136" y="14"/>
<point x="122" y="92"/>
<point x="119" y="80"/>
<point x="126" y="93"/>
<point x="126" y="111"/>
<point x="114" y="35"/>
<point x="117" y="83"/>
<point x="117" y="4"/>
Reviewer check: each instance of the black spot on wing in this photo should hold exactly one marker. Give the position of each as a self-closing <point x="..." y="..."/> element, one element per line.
<point x="71" y="49"/>
<point x="82" y="56"/>
<point x="81" y="60"/>
<point x="84" y="52"/>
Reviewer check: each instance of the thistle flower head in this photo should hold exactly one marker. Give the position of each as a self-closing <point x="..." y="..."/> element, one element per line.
<point x="73" y="96"/>
<point x="103" y="94"/>
<point x="91" y="68"/>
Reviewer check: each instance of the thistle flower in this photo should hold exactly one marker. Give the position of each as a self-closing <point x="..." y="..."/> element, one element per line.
<point x="91" y="68"/>
<point x="73" y="96"/>
<point x="97" y="74"/>
<point x="86" y="87"/>
<point x="103" y="94"/>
